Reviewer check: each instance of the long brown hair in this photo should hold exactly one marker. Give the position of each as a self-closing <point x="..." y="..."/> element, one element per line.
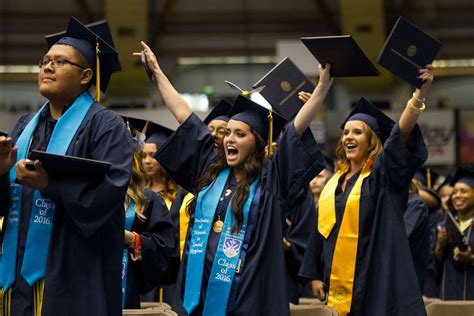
<point x="375" y="148"/>
<point x="251" y="166"/>
<point x="136" y="186"/>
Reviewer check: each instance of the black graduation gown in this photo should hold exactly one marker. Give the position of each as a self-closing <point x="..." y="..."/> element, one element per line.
<point x="458" y="277"/>
<point x="84" y="260"/>
<point x="259" y="288"/>
<point x="299" y="223"/>
<point x="432" y="280"/>
<point x="158" y="241"/>
<point x="169" y="292"/>
<point x="385" y="279"/>
<point x="418" y="232"/>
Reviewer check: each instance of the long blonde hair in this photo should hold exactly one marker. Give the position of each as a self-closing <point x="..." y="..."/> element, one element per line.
<point x="375" y="148"/>
<point x="136" y="187"/>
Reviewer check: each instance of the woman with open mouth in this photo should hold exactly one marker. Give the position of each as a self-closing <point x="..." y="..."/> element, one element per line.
<point x="233" y="262"/>
<point x="359" y="259"/>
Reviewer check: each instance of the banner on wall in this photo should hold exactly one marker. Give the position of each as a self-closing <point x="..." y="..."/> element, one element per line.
<point x="466" y="136"/>
<point x="439" y="131"/>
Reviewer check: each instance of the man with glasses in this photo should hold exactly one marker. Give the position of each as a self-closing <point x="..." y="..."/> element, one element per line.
<point x="63" y="236"/>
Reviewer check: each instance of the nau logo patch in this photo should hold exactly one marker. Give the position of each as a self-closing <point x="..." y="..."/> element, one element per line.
<point x="231" y="247"/>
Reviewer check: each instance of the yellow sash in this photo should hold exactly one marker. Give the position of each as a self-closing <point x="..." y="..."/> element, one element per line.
<point x="183" y="223"/>
<point x="345" y="252"/>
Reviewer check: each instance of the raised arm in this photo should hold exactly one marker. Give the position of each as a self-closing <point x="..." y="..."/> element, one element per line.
<point x="173" y="100"/>
<point x="415" y="104"/>
<point x="309" y="109"/>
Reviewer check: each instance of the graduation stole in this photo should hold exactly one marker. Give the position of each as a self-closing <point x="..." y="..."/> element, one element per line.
<point x="42" y="213"/>
<point x="129" y="218"/>
<point x="228" y="251"/>
<point x="345" y="252"/>
<point x="183" y="222"/>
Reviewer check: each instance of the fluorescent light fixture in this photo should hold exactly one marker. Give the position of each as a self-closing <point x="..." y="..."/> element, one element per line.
<point x="230" y="60"/>
<point x="453" y="63"/>
<point x="19" y="69"/>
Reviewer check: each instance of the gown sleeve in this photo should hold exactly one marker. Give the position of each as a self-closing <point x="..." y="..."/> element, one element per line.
<point x="91" y="203"/>
<point x="187" y="153"/>
<point x="296" y="162"/>
<point x="158" y="246"/>
<point x="312" y="267"/>
<point x="399" y="161"/>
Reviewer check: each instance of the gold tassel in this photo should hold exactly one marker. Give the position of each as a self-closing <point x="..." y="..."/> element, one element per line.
<point x="270" y="133"/>
<point x="161" y="295"/>
<point x="38" y="291"/>
<point x="2" y="303"/>
<point x="97" y="73"/>
<point x="246" y="94"/>
<point x="428" y="177"/>
<point x="5" y="302"/>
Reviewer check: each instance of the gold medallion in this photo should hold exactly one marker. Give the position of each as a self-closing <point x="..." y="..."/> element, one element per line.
<point x="217" y="226"/>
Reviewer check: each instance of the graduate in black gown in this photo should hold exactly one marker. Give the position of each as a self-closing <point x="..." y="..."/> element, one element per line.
<point x="151" y="241"/>
<point x="83" y="259"/>
<point x="237" y="173"/>
<point x="297" y="227"/>
<point x="432" y="200"/>
<point x="456" y="254"/>
<point x="159" y="181"/>
<point x="361" y="256"/>
<point x="418" y="231"/>
<point x="216" y="122"/>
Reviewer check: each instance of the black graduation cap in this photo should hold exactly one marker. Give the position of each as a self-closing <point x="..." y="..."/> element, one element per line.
<point x="464" y="175"/>
<point x="407" y="49"/>
<point x="71" y="167"/>
<point x="328" y="163"/>
<point x="257" y="116"/>
<point x="3" y="134"/>
<point x="152" y="132"/>
<point x="447" y="181"/>
<point x="281" y="86"/>
<point x="84" y="38"/>
<point x="368" y="113"/>
<point x="219" y="112"/>
<point x="346" y="57"/>
<point x="426" y="176"/>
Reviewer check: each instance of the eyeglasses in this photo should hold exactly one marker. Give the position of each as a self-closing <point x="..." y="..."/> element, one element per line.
<point x="57" y="63"/>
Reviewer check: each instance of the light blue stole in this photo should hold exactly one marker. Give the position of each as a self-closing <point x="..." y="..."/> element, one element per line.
<point x="227" y="255"/>
<point x="129" y="218"/>
<point x="42" y="213"/>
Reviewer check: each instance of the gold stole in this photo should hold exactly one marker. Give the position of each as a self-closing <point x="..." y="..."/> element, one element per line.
<point x="183" y="223"/>
<point x="345" y="252"/>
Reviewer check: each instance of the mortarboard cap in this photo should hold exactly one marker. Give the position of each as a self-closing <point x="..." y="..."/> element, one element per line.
<point x="219" y="112"/>
<point x="426" y="176"/>
<point x="406" y="50"/>
<point x="152" y="132"/>
<point x="447" y="181"/>
<point x="257" y="116"/>
<point x="464" y="175"/>
<point x="69" y="166"/>
<point x="281" y="86"/>
<point x="328" y="163"/>
<point x="3" y="134"/>
<point x="368" y="113"/>
<point x="346" y="57"/>
<point x="84" y="38"/>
